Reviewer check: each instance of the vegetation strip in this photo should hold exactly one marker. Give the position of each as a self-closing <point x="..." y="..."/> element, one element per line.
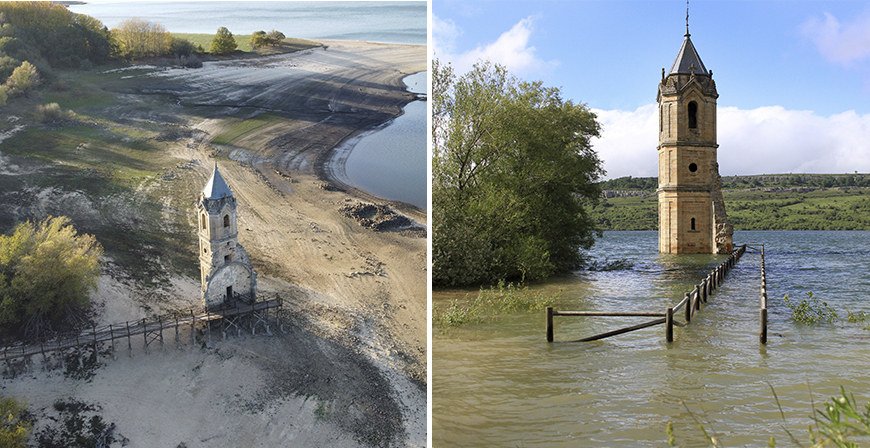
<point x="764" y="202"/>
<point x="692" y="302"/>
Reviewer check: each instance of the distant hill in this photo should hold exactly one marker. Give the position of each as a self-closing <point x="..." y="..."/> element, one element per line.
<point x="759" y="202"/>
<point x="754" y="181"/>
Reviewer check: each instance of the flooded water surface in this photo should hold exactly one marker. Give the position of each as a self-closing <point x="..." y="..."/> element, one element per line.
<point x="501" y="384"/>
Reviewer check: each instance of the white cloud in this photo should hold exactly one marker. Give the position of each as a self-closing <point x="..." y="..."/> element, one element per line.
<point x="512" y="49"/>
<point x="766" y="140"/>
<point x="842" y="43"/>
<point x="628" y="142"/>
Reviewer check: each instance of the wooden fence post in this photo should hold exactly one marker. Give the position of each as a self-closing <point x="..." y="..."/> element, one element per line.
<point x="145" y="335"/>
<point x="112" y="338"/>
<point x="549" y="324"/>
<point x="669" y="325"/>
<point x="688" y="308"/>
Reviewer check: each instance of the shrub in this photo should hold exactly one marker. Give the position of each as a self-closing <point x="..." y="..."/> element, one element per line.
<point x="46" y="271"/>
<point x="13" y="427"/>
<point x="23" y="79"/>
<point x="191" y="61"/>
<point x="48" y="113"/>
<point x="181" y="47"/>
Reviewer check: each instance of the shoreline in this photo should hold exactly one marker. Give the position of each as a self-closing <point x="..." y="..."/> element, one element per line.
<point x="335" y="172"/>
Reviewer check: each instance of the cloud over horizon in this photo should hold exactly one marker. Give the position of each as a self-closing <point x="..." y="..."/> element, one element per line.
<point x="511" y="49"/>
<point x="765" y="140"/>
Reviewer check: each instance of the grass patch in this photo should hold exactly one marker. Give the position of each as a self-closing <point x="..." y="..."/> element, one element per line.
<point x="107" y="167"/>
<point x="841" y="422"/>
<point x="240" y="127"/>
<point x="243" y="42"/>
<point x="500" y="299"/>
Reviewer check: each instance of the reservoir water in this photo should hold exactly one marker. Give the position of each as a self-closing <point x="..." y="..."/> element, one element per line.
<point x="391" y="162"/>
<point x="401" y="22"/>
<point x="501" y="384"/>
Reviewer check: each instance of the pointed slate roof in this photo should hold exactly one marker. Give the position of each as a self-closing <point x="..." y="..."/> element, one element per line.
<point x="216" y="188"/>
<point x="688" y="60"/>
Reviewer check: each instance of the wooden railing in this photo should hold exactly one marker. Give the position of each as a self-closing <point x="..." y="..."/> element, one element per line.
<point x="152" y="331"/>
<point x="762" y="334"/>
<point x="691" y="303"/>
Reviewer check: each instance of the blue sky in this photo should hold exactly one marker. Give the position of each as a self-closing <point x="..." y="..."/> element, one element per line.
<point x="793" y="76"/>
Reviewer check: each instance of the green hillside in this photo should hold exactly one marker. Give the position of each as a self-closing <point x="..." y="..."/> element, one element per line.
<point x="763" y="202"/>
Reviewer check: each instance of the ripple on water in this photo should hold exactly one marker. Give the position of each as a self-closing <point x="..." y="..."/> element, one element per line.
<point x="501" y="384"/>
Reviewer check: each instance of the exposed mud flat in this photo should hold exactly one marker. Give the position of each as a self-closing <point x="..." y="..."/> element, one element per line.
<point x="349" y="367"/>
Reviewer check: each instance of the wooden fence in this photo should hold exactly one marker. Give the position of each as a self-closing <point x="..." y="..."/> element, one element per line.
<point x="691" y="303"/>
<point x="762" y="333"/>
<point x="235" y="317"/>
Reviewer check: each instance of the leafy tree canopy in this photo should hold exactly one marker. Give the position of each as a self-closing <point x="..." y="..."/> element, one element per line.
<point x="512" y="162"/>
<point x="223" y="42"/>
<point x="23" y="79"/>
<point x="262" y="39"/>
<point x="48" y="33"/>
<point x="137" y="38"/>
<point x="45" y="270"/>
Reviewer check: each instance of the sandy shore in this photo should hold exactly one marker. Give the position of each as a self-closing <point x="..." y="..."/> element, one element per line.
<point x="349" y="369"/>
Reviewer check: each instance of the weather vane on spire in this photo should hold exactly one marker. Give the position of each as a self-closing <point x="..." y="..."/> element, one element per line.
<point x="687" y="18"/>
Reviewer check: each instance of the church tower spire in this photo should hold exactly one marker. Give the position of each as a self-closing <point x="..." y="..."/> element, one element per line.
<point x="691" y="210"/>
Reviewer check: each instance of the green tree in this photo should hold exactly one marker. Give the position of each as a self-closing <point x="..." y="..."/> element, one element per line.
<point x="262" y="39"/>
<point x="137" y="38"/>
<point x="23" y="79"/>
<point x="181" y="47"/>
<point x="276" y="37"/>
<point x="46" y="269"/>
<point x="223" y="42"/>
<point x="13" y="427"/>
<point x="512" y="162"/>
<point x="259" y="39"/>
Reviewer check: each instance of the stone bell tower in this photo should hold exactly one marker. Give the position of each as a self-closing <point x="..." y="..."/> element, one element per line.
<point x="226" y="271"/>
<point x="692" y="216"/>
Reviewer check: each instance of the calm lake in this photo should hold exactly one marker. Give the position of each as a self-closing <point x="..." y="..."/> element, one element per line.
<point x="501" y="384"/>
<point x="385" y="21"/>
<point x="391" y="161"/>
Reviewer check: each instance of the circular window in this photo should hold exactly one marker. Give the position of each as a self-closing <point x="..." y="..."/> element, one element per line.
<point x="693" y="167"/>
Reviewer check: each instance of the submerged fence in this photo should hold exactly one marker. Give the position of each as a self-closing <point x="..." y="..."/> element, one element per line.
<point x="235" y="317"/>
<point x="691" y="303"/>
<point x="762" y="333"/>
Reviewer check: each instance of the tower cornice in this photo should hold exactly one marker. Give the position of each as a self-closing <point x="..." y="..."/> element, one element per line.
<point x="676" y="144"/>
